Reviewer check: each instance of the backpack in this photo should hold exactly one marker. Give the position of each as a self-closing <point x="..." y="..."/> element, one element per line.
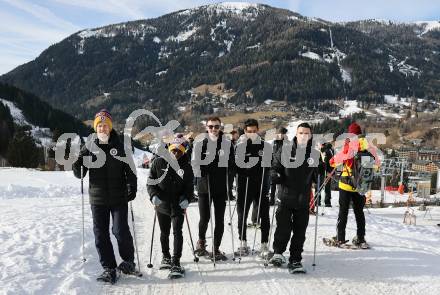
<point x="363" y="171"/>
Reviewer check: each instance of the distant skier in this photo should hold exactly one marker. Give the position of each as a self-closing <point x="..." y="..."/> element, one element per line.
<point x="171" y="198"/>
<point x="292" y="214"/>
<point x="110" y="188"/>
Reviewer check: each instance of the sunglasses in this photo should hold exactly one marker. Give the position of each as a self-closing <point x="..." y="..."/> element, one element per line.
<point x="213" y="126"/>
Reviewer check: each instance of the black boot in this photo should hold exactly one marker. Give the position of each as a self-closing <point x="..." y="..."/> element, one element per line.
<point x="295" y="267"/>
<point x="166" y="262"/>
<point x="127" y="267"/>
<point x="176" y="271"/>
<point x="109" y="276"/>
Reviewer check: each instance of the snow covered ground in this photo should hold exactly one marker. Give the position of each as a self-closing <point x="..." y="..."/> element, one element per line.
<point x="40" y="253"/>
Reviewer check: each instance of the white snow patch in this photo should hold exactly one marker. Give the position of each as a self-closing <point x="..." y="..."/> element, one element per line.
<point x="402" y="67"/>
<point x="428" y="26"/>
<point x="395" y="100"/>
<point x="183" y="36"/>
<point x="312" y="55"/>
<point x="156" y="40"/>
<point x="346" y="76"/>
<point x="387" y="114"/>
<point x="269" y="101"/>
<point x="350" y="108"/>
<point x="40" y="134"/>
<point x="256" y="46"/>
<point x="161" y="73"/>
<point x="164" y="52"/>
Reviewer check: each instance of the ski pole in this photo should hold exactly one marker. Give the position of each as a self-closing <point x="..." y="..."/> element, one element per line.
<point x="326" y="180"/>
<point x="150" y="265"/>
<point x="196" y="259"/>
<point x="134" y="236"/>
<point x="210" y="221"/>
<point x="316" y="227"/>
<point x="266" y="263"/>
<point x="230" y="214"/>
<point x="233" y="211"/>
<point x="82" y="213"/>
<point x="258" y="211"/>
<point x="243" y="220"/>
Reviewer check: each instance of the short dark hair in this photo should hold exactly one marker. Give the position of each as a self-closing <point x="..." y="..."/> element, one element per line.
<point x="250" y="122"/>
<point x="305" y="125"/>
<point x="282" y="130"/>
<point x="213" y="118"/>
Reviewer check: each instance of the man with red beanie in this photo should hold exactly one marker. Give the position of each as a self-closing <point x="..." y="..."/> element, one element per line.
<point x="347" y="188"/>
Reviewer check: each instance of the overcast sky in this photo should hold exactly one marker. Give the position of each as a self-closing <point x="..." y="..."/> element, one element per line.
<point x="28" y="27"/>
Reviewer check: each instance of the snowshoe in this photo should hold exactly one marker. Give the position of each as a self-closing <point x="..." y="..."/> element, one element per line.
<point x="219" y="256"/>
<point x="242" y="251"/>
<point x="201" y="248"/>
<point x="253" y="225"/>
<point x="176" y="270"/>
<point x="295" y="267"/>
<point x="264" y="251"/>
<point x="129" y="268"/>
<point x="110" y="275"/>
<point x="165" y="263"/>
<point x="277" y="260"/>
<point x="333" y="242"/>
<point x="360" y="243"/>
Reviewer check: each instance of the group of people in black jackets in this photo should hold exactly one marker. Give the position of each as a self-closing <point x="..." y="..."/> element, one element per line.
<point x="216" y="162"/>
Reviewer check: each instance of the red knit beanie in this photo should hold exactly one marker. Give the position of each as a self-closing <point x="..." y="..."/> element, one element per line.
<point x="354" y="128"/>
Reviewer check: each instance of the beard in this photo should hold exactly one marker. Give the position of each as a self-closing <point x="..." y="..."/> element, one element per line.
<point x="103" y="138"/>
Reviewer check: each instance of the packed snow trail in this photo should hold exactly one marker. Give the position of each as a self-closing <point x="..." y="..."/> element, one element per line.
<point x="40" y="253"/>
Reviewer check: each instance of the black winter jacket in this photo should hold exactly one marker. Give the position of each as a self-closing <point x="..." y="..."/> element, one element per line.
<point x="296" y="183"/>
<point x="217" y="175"/>
<point x="254" y="173"/>
<point x="112" y="184"/>
<point x="172" y="189"/>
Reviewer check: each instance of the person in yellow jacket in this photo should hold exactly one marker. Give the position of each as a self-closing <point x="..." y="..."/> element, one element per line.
<point x="347" y="189"/>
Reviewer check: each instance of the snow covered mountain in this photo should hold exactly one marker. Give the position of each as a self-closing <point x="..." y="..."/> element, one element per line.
<point x="259" y="52"/>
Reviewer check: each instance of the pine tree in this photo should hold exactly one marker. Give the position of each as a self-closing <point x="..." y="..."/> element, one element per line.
<point x="23" y="152"/>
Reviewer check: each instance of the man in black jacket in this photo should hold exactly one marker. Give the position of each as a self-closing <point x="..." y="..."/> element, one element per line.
<point x="170" y="192"/>
<point x="111" y="186"/>
<point x="250" y="183"/>
<point x="296" y="184"/>
<point x="212" y="185"/>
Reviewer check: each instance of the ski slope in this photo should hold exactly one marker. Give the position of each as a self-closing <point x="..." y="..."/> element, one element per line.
<point x="40" y="253"/>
